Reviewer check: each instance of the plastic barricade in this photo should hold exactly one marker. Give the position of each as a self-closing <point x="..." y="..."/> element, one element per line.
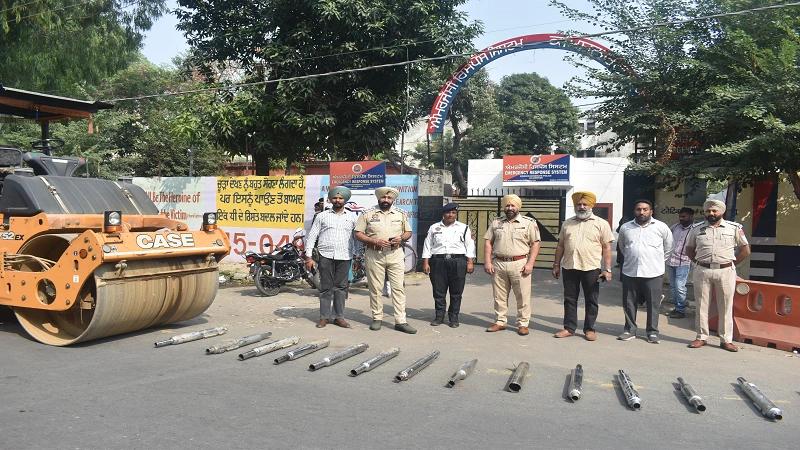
<point x="766" y="314"/>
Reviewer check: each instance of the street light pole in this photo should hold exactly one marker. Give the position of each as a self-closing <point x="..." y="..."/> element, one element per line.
<point x="191" y="162"/>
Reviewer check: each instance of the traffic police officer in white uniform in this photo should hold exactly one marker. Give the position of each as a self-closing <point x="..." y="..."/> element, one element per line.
<point x="447" y="257"/>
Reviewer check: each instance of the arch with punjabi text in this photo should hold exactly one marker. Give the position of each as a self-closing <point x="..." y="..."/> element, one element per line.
<point x="586" y="47"/>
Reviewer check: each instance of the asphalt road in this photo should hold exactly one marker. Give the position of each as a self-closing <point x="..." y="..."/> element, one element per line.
<point x="123" y="393"/>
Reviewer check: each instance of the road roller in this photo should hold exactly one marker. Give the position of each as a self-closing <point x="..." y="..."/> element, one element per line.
<point x="86" y="258"/>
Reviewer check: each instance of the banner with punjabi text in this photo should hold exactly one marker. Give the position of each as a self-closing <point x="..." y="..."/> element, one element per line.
<point x="261" y="202"/>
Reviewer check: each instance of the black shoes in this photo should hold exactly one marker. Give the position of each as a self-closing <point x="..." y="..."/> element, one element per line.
<point x="453" y="324"/>
<point x="675" y="314"/>
<point x="437" y="321"/>
<point x="405" y="328"/>
<point x="375" y="325"/>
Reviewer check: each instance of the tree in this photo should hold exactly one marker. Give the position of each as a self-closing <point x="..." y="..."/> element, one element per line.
<point x="537" y="116"/>
<point x="347" y="115"/>
<point x="57" y="46"/>
<point x="724" y="89"/>
<point x="148" y="137"/>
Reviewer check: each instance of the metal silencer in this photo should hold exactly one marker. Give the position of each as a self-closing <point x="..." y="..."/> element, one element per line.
<point x="417" y="366"/>
<point x="576" y="383"/>
<point x="463" y="372"/>
<point x="767" y="408"/>
<point x="691" y="395"/>
<point x="631" y="394"/>
<point x="237" y="343"/>
<point x="374" y="362"/>
<point x="269" y="347"/>
<point x="518" y="377"/>
<point x="330" y="360"/>
<point x="304" y="350"/>
<point x="193" y="336"/>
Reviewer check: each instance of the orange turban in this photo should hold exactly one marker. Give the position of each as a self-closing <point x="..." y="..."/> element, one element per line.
<point x="513" y="199"/>
<point x="590" y="198"/>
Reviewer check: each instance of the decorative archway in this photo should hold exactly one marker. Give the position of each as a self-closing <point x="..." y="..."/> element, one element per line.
<point x="441" y="105"/>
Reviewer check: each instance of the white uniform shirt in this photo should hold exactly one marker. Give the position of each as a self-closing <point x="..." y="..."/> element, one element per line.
<point x="443" y="239"/>
<point x="645" y="247"/>
<point x="333" y="235"/>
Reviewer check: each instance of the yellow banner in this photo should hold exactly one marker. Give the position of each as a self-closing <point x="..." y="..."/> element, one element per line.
<point x="261" y="202"/>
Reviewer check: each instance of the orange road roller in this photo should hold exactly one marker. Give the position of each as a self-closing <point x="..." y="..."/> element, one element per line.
<point x="85" y="258"/>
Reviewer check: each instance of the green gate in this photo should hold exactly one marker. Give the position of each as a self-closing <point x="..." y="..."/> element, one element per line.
<point x="478" y="213"/>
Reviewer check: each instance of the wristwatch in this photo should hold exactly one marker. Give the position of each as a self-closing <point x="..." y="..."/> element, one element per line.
<point x="607" y="270"/>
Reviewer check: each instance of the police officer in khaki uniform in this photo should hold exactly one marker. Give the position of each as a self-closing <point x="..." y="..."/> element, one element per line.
<point x="512" y="244"/>
<point x="712" y="247"/>
<point x="383" y="230"/>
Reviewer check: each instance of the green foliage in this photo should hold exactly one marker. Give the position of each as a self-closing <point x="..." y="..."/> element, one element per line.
<point x="729" y="85"/>
<point x="140" y="138"/>
<point x="536" y="115"/>
<point x="340" y="116"/>
<point x="65" y="47"/>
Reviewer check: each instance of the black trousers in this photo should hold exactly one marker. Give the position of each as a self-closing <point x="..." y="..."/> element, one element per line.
<point x="448" y="274"/>
<point x="650" y="290"/>
<point x="333" y="284"/>
<point x="574" y="280"/>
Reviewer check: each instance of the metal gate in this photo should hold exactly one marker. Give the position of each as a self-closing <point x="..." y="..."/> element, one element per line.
<point x="478" y="213"/>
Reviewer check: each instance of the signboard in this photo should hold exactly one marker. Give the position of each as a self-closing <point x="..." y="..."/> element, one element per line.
<point x="358" y="175"/>
<point x="261" y="202"/>
<point x="536" y="170"/>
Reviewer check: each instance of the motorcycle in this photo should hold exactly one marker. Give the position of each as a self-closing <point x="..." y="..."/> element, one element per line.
<point x="271" y="271"/>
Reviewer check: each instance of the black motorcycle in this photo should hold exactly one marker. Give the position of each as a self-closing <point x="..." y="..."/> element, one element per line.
<point x="271" y="271"/>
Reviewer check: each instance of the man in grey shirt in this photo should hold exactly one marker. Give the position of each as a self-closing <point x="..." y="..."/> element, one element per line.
<point x="646" y="244"/>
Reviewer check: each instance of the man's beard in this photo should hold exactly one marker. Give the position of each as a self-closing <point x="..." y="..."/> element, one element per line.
<point x="642" y="219"/>
<point x="713" y="219"/>
<point x="338" y="207"/>
<point x="686" y="224"/>
<point x="583" y="215"/>
<point x="511" y="214"/>
<point x="385" y="205"/>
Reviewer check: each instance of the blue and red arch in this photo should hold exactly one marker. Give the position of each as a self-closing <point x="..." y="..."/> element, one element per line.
<point x="448" y="91"/>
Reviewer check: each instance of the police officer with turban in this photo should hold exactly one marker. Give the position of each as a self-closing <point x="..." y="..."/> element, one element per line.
<point x="583" y="258"/>
<point x="715" y="247"/>
<point x="332" y="234"/>
<point x="511" y="246"/>
<point x="447" y="257"/>
<point x="383" y="230"/>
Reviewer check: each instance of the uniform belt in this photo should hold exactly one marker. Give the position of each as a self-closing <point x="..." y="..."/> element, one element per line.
<point x="714" y="265"/>
<point x="450" y="255"/>
<point x="510" y="258"/>
<point x="380" y="249"/>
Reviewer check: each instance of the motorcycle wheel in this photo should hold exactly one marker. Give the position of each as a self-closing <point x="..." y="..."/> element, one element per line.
<point x="266" y="286"/>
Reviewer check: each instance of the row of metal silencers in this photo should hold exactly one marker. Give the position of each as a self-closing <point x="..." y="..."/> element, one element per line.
<point x="416" y="366"/>
<point x="463" y="372"/>
<point x="237" y="343"/>
<point x="334" y="358"/>
<point x="691" y="395"/>
<point x="518" y="377"/>
<point x="767" y="408"/>
<point x="193" y="336"/>
<point x="269" y="347"/>
<point x="375" y="361"/>
<point x="576" y="383"/>
<point x="303" y="350"/>
<point x="631" y="394"/>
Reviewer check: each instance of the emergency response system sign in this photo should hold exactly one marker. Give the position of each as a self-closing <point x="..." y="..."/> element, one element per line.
<point x="536" y="170"/>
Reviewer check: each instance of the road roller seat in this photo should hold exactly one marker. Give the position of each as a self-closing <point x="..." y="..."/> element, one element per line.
<point x="27" y="196"/>
<point x="53" y="165"/>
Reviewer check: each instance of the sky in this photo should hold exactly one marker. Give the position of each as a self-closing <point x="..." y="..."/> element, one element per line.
<point x="502" y="19"/>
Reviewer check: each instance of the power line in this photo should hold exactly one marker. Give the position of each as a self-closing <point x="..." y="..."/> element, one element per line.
<point x="456" y="55"/>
